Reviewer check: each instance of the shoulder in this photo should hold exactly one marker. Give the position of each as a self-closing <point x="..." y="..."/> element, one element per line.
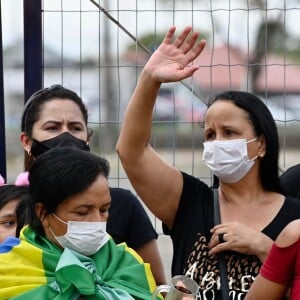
<point x="124" y="201"/>
<point x="194" y="186"/>
<point x="120" y="194"/>
<point x="195" y="202"/>
<point x="291" y="172"/>
<point x="190" y="180"/>
<point x="289" y="181"/>
<point x="289" y="235"/>
<point x="292" y="203"/>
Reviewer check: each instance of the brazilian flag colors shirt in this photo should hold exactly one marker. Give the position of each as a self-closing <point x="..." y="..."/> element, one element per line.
<point x="35" y="268"/>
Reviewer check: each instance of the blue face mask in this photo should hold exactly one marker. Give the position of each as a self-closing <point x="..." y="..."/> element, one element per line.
<point x="63" y="140"/>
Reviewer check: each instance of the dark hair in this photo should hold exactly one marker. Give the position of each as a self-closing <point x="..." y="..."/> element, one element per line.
<point x="34" y="106"/>
<point x="22" y="213"/>
<point x="264" y="125"/>
<point x="9" y="192"/>
<point x="58" y="174"/>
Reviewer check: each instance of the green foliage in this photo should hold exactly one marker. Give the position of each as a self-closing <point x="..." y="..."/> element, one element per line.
<point x="291" y="55"/>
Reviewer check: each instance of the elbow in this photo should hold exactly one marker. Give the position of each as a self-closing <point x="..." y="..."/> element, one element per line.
<point x="119" y="150"/>
<point x="123" y="154"/>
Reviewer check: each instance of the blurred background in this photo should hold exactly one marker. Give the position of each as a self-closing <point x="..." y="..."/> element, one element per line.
<point x="98" y="49"/>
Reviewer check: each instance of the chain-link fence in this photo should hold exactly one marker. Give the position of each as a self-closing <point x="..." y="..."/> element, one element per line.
<point x="98" y="48"/>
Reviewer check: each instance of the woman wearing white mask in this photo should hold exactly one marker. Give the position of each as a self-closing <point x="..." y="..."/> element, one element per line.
<point x="65" y="251"/>
<point x="56" y="116"/>
<point x="241" y="148"/>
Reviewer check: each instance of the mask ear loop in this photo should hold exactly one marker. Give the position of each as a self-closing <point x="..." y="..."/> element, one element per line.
<point x="247" y="142"/>
<point x="59" y="219"/>
<point x="254" y="139"/>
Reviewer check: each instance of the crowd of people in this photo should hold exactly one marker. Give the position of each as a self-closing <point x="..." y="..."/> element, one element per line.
<point x="65" y="251"/>
<point x="56" y="116"/>
<point x="66" y="220"/>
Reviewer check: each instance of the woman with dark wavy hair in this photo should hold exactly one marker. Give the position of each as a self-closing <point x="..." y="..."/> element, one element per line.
<point x="241" y="149"/>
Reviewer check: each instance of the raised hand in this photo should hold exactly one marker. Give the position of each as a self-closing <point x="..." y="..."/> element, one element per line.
<point x="172" y="61"/>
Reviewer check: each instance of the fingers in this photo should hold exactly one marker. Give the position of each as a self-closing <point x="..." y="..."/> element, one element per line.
<point x="182" y="37"/>
<point x="195" y="51"/>
<point x="172" y="61"/>
<point x="189" y="43"/>
<point x="221" y="237"/>
<point x="232" y="236"/>
<point x="218" y="238"/>
<point x="217" y="246"/>
<point x="185" y="42"/>
<point x="169" y="36"/>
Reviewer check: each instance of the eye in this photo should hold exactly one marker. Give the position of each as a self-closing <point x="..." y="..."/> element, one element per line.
<point x="77" y="128"/>
<point x="8" y="223"/>
<point x="82" y="213"/>
<point x="103" y="211"/>
<point x="229" y="132"/>
<point x="51" y="128"/>
<point x="210" y="136"/>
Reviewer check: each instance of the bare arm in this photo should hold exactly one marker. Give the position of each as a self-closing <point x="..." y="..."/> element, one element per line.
<point x="158" y="184"/>
<point x="262" y="288"/>
<point x="150" y="254"/>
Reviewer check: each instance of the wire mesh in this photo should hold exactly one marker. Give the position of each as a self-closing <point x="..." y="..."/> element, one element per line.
<point x="98" y="48"/>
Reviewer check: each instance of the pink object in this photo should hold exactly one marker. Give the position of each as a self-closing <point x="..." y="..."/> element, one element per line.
<point x="2" y="182"/>
<point x="22" y="179"/>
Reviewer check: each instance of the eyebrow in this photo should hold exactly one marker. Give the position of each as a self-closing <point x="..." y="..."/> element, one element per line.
<point x="91" y="206"/>
<point x="58" y="122"/>
<point x="9" y="215"/>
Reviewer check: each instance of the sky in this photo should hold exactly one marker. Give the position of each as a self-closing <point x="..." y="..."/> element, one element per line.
<point x="82" y="32"/>
<point x="12" y="21"/>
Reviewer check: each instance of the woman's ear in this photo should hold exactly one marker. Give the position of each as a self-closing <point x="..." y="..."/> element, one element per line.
<point x="26" y="142"/>
<point x="261" y="146"/>
<point x="40" y="211"/>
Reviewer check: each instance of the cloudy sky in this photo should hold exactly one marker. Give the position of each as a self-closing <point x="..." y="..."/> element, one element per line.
<point x="82" y="31"/>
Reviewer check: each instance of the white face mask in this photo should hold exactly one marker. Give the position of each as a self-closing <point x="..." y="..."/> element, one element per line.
<point x="83" y="237"/>
<point x="228" y="159"/>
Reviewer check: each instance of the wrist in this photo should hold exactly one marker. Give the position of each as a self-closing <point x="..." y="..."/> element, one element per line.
<point x="263" y="247"/>
<point x="149" y="83"/>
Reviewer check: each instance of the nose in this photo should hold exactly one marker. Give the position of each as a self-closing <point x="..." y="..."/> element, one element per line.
<point x="220" y="137"/>
<point x="97" y="217"/>
<point x="65" y="129"/>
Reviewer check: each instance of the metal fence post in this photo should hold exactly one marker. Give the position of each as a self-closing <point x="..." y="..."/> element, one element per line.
<point x="2" y="113"/>
<point x="32" y="47"/>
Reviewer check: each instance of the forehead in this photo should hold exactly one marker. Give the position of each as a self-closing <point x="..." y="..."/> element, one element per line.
<point x="96" y="195"/>
<point x="9" y="208"/>
<point x="225" y="111"/>
<point x="61" y="108"/>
